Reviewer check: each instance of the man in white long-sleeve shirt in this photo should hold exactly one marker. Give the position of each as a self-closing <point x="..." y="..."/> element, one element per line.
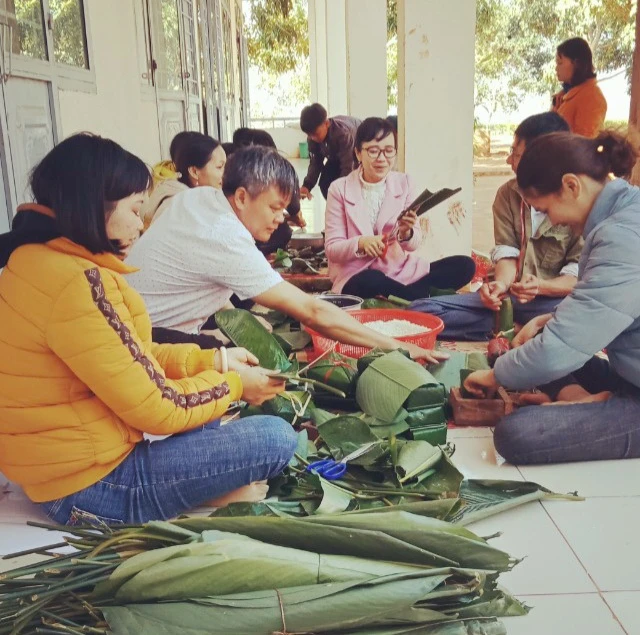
<point x="535" y="262"/>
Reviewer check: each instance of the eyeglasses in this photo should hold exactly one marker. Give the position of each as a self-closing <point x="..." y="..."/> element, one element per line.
<point x="374" y="151"/>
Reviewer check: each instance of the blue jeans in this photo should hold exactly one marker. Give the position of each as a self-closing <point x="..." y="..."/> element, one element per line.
<point x="162" y="479"/>
<point x="466" y="318"/>
<point x="580" y="432"/>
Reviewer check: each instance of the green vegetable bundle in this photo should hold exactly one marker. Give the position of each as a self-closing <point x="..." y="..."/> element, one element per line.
<point x="386" y="573"/>
<point x="392" y="382"/>
<point x="337" y="371"/>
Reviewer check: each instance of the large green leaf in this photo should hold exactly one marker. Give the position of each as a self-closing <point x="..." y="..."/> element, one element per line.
<point x="346" y="434"/>
<point x="484" y="498"/>
<point x="243" y="329"/>
<point x="416" y="457"/>
<point x="386" y="384"/>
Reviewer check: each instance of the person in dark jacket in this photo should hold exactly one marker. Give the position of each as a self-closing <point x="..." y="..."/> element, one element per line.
<point x="331" y="141"/>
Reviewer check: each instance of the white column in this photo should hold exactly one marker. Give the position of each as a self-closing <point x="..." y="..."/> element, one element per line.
<point x="436" y="62"/>
<point x="367" y="58"/>
<point x="318" y="50"/>
<point x="335" y="16"/>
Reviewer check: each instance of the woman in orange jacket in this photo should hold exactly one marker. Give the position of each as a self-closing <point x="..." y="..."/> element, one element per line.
<point x="580" y="102"/>
<point x="80" y="379"/>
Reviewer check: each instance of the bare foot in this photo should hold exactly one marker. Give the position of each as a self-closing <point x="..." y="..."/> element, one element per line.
<point x="531" y="399"/>
<point x="600" y="396"/>
<point x="252" y="493"/>
<point x="573" y="392"/>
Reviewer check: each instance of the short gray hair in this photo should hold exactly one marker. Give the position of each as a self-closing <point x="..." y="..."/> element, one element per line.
<point x="257" y="168"/>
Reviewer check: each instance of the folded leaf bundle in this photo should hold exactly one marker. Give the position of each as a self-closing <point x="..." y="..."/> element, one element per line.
<point x="337" y="371"/>
<point x="289" y="405"/>
<point x="392" y="382"/>
<point x="372" y="355"/>
<point x="243" y="329"/>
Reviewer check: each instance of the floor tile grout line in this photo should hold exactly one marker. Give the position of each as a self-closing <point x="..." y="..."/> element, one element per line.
<point x="615" y="617"/>
<point x="546" y="511"/>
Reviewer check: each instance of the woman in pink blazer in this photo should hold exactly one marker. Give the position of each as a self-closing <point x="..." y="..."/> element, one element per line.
<point x="362" y="209"/>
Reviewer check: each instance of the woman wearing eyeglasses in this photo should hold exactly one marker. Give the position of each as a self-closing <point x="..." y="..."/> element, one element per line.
<point x="362" y="209"/>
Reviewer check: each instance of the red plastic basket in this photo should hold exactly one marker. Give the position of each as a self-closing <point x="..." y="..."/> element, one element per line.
<point x="433" y="326"/>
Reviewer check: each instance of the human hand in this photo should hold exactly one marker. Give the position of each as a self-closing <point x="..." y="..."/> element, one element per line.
<point x="430" y="356"/>
<point x="492" y="294"/>
<point x="482" y="384"/>
<point x="305" y="193"/>
<point x="406" y="225"/>
<point x="527" y="332"/>
<point x="239" y="358"/>
<point x="258" y="386"/>
<point x="297" y="220"/>
<point x="527" y="289"/>
<point x="372" y="246"/>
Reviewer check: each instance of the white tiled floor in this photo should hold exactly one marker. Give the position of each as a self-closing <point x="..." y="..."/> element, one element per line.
<point x="581" y="567"/>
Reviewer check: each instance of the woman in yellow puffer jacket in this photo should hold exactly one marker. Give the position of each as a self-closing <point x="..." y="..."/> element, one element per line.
<point x="81" y="380"/>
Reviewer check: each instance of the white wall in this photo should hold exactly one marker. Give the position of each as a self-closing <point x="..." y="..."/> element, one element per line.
<point x="118" y="109"/>
<point x="436" y="42"/>
<point x="367" y="58"/>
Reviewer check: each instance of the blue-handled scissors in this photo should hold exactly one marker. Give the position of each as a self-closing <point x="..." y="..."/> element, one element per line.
<point x="333" y="470"/>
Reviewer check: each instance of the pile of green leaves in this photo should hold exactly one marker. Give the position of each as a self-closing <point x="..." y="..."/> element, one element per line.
<point x="386" y="573"/>
<point x="392" y="472"/>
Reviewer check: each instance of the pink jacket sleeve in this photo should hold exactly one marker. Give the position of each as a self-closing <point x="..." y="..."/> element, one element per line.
<point x="338" y="247"/>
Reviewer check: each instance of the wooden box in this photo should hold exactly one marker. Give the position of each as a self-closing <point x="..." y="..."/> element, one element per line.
<point x="480" y="412"/>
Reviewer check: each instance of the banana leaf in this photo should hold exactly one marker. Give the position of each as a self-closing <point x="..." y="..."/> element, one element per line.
<point x="289" y="405"/>
<point x="484" y="498"/>
<point x="435" y="434"/>
<point x="377" y="303"/>
<point x="393" y="381"/>
<point x="335" y="370"/>
<point x="416" y="457"/>
<point x="381" y="572"/>
<point x="243" y="329"/>
<point x="375" y="353"/>
<point x="345" y="434"/>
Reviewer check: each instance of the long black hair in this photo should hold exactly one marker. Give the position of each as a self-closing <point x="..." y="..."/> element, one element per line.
<point x="81" y="179"/>
<point x="579" y="52"/>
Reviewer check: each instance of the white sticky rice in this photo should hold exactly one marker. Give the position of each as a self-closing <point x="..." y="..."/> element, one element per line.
<point x="397" y="328"/>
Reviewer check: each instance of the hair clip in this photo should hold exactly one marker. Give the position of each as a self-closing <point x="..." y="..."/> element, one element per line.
<point x="600" y="149"/>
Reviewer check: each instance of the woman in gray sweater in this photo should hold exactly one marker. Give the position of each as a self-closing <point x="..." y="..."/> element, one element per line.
<point x="597" y="410"/>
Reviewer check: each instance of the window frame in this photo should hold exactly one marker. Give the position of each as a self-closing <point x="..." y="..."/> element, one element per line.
<point x="64" y="76"/>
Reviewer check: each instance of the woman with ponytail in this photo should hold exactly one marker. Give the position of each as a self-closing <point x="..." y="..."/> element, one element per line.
<point x="580" y="102"/>
<point x="597" y="412"/>
<point x="196" y="160"/>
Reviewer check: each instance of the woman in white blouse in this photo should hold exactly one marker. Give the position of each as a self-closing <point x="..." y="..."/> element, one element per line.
<point x="362" y="209"/>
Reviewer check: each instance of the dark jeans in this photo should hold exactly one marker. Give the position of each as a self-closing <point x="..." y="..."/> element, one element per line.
<point x="449" y="273"/>
<point x="581" y="432"/>
<point x="165" y="478"/>
<point x="330" y="172"/>
<point x="466" y="318"/>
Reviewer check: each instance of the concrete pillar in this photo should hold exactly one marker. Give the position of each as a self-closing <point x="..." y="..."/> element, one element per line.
<point x="318" y="50"/>
<point x="367" y="58"/>
<point x="347" y="50"/>
<point x="436" y="61"/>
<point x="328" y="54"/>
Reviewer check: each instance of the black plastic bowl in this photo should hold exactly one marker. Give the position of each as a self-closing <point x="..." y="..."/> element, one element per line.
<point x="346" y="302"/>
